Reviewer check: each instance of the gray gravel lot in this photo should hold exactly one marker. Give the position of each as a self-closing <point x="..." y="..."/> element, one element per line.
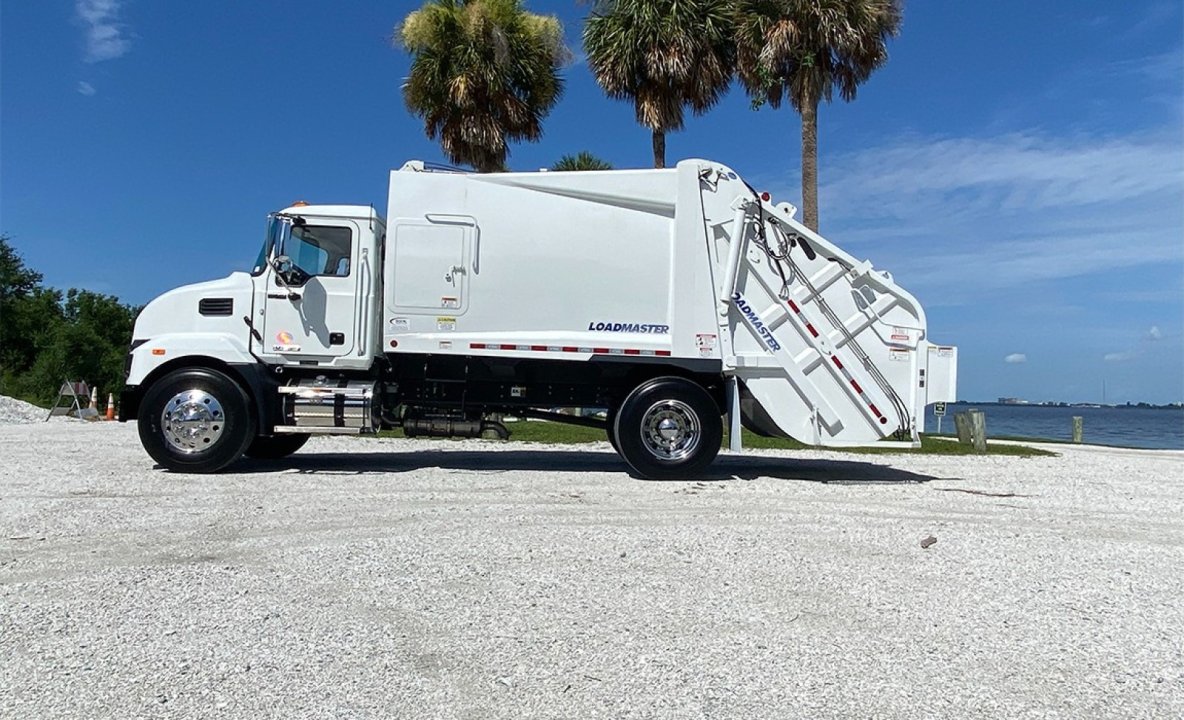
<point x="376" y="579"/>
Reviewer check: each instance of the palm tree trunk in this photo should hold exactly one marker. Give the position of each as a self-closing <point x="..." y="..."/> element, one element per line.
<point x="659" y="149"/>
<point x="810" y="165"/>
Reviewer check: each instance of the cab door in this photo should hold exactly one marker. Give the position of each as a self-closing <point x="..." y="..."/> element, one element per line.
<point x="310" y="304"/>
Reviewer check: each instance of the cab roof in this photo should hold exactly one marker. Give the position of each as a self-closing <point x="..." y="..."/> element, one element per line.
<point x="352" y="212"/>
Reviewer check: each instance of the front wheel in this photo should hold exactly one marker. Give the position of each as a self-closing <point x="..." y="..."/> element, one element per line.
<point x="196" y="421"/>
<point x="668" y="428"/>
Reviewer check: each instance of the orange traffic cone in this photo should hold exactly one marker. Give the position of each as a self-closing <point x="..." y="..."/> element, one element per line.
<point x="110" y="406"/>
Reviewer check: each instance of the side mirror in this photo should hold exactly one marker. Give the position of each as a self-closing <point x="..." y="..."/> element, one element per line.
<point x="282" y="264"/>
<point x="287" y="274"/>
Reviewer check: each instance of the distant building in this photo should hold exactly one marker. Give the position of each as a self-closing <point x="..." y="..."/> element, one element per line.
<point x="1012" y="401"/>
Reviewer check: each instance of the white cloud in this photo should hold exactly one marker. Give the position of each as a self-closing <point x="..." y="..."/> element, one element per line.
<point x="967" y="216"/>
<point x="1012" y="174"/>
<point x="1016" y="358"/>
<point x="105" y="37"/>
<point x="1164" y="67"/>
<point x="85" y="88"/>
<point x="1153" y="335"/>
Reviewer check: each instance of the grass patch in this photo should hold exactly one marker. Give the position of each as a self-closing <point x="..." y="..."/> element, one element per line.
<point x="929" y="446"/>
<point x="563" y="434"/>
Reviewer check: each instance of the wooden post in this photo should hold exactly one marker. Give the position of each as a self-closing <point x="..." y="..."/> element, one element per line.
<point x="962" y="425"/>
<point x="1077" y="429"/>
<point x="978" y="426"/>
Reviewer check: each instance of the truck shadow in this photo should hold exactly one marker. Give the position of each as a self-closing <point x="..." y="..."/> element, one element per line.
<point x="560" y="461"/>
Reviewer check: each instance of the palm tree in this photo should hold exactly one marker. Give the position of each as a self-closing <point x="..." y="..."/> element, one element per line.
<point x="807" y="50"/>
<point x="663" y="55"/>
<point x="483" y="73"/>
<point x="583" y="160"/>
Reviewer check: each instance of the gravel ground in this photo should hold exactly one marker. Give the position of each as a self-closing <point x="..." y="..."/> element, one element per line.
<point x="376" y="579"/>
<point x="13" y="411"/>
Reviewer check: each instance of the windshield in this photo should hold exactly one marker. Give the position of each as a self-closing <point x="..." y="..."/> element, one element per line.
<point x="278" y="227"/>
<point x="274" y="226"/>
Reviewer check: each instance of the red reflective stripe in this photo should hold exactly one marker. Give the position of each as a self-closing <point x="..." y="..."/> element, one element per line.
<point x="877" y="412"/>
<point x="793" y="306"/>
<point x="838" y="364"/>
<point x="811" y="329"/>
<point x="567" y="349"/>
<point x="856" y="386"/>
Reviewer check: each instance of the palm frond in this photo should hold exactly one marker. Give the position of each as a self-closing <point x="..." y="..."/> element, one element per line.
<point x="484" y="73"/>
<point x="807" y="50"/>
<point x="663" y="55"/>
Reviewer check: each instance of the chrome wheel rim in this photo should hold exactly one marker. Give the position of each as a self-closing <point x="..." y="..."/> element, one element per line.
<point x="670" y="430"/>
<point x="192" y="421"/>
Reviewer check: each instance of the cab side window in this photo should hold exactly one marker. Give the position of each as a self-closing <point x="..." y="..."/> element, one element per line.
<point x="321" y="249"/>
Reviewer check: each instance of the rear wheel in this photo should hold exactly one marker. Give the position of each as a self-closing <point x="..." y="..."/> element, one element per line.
<point x="195" y="420"/>
<point x="668" y="428"/>
<point x="275" y="447"/>
<point x="610" y="429"/>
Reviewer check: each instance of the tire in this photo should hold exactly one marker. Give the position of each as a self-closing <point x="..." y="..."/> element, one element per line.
<point x="669" y="428"/>
<point x="610" y="429"/>
<point x="212" y="423"/>
<point x="275" y="447"/>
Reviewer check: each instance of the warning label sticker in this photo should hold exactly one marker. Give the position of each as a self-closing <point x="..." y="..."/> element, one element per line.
<point x="898" y="355"/>
<point x="706" y="344"/>
<point x="900" y="334"/>
<point x="445" y="323"/>
<point x="449" y="302"/>
<point x="401" y="324"/>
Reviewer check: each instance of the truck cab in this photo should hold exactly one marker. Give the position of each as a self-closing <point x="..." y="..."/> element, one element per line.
<point x="315" y="285"/>
<point x="203" y="352"/>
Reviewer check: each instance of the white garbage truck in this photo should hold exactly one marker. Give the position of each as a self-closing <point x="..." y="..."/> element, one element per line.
<point x="679" y="300"/>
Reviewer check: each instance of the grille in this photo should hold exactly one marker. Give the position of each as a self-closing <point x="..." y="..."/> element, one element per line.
<point x="215" y="306"/>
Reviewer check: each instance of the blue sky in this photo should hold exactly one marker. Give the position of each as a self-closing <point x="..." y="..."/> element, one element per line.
<point x="1018" y="166"/>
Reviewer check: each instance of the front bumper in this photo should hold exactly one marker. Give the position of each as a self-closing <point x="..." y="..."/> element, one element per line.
<point x="129" y="403"/>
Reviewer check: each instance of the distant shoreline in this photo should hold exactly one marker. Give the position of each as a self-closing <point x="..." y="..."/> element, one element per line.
<point x="1124" y="406"/>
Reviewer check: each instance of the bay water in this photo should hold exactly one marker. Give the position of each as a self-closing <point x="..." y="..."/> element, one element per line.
<point x="1121" y="426"/>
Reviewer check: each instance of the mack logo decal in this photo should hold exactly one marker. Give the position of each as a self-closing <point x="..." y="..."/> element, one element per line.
<point x="629" y="327"/>
<point x="755" y="321"/>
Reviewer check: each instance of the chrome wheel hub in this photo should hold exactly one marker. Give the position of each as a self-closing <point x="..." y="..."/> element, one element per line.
<point x="192" y="421"/>
<point x="670" y="430"/>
